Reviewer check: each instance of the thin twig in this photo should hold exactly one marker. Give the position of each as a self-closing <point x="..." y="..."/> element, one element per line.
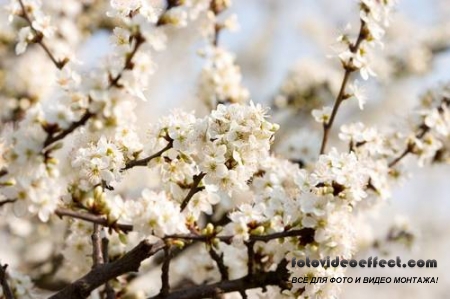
<point x="61" y="135"/>
<point x="138" y="41"/>
<point x="423" y="129"/>
<point x="145" y="161"/>
<point x="61" y="212"/>
<point x="97" y="254"/>
<point x="6" y="201"/>
<point x="194" y="189"/>
<point x="303" y="233"/>
<point x="410" y="146"/>
<point x="165" y="270"/>
<point x="88" y="115"/>
<point x="109" y="291"/>
<point x="4" y="282"/>
<point x="342" y="94"/>
<point x="279" y="277"/>
<point x="39" y="38"/>
<point x="130" y="262"/>
<point x="250" y="257"/>
<point x="223" y="269"/>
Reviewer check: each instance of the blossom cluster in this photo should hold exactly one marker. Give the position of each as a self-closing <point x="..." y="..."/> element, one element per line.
<point x="220" y="81"/>
<point x="223" y="148"/>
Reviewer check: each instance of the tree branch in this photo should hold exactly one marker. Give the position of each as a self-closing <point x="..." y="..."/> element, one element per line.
<point x="61" y="212"/>
<point x="131" y="261"/>
<point x="307" y="234"/>
<point x="39" y="39"/>
<point x="145" y="161"/>
<point x="61" y="135"/>
<point x="98" y="276"/>
<point x="250" y="257"/>
<point x="109" y="291"/>
<point x="423" y="129"/>
<point x="279" y="277"/>
<point x="304" y="233"/>
<point x="165" y="270"/>
<point x="194" y="189"/>
<point x="6" y="201"/>
<point x="341" y="95"/>
<point x="97" y="254"/>
<point x="223" y="269"/>
<point x="139" y="40"/>
<point x="4" y="282"/>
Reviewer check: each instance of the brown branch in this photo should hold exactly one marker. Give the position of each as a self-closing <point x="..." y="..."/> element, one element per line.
<point x="114" y="81"/>
<point x="97" y="254"/>
<point x="194" y="189"/>
<point x="130" y="262"/>
<point x="145" y="161"/>
<point x="165" y="270"/>
<point x="342" y="95"/>
<point x="61" y="212"/>
<point x="61" y="135"/>
<point x="306" y="233"/>
<point x="250" y="256"/>
<point x="410" y="146"/>
<point x="39" y="38"/>
<point x="303" y="233"/>
<point x="109" y="291"/>
<point x="139" y="40"/>
<point x="279" y="277"/>
<point x="4" y="283"/>
<point x="407" y="150"/>
<point x="98" y="276"/>
<point x="223" y="269"/>
<point x="51" y="138"/>
<point x="216" y="7"/>
<point x="6" y="201"/>
<point x="423" y="129"/>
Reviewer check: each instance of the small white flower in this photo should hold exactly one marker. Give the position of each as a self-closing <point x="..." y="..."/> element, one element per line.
<point x="121" y="39"/>
<point x="25" y="36"/>
<point x="322" y="115"/>
<point x="42" y="24"/>
<point x="359" y="93"/>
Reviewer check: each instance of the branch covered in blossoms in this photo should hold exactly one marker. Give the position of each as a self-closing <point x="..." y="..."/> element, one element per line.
<point x="342" y="95"/>
<point x="373" y="17"/>
<point x="35" y="33"/>
<point x="278" y="278"/>
<point x="130" y="262"/>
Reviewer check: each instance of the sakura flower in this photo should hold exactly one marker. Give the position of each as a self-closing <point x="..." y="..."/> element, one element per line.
<point x="359" y="93"/>
<point x="155" y="214"/>
<point x="25" y="37"/>
<point x="99" y="162"/>
<point x="323" y="115"/>
<point x="121" y="39"/>
<point x="43" y="25"/>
